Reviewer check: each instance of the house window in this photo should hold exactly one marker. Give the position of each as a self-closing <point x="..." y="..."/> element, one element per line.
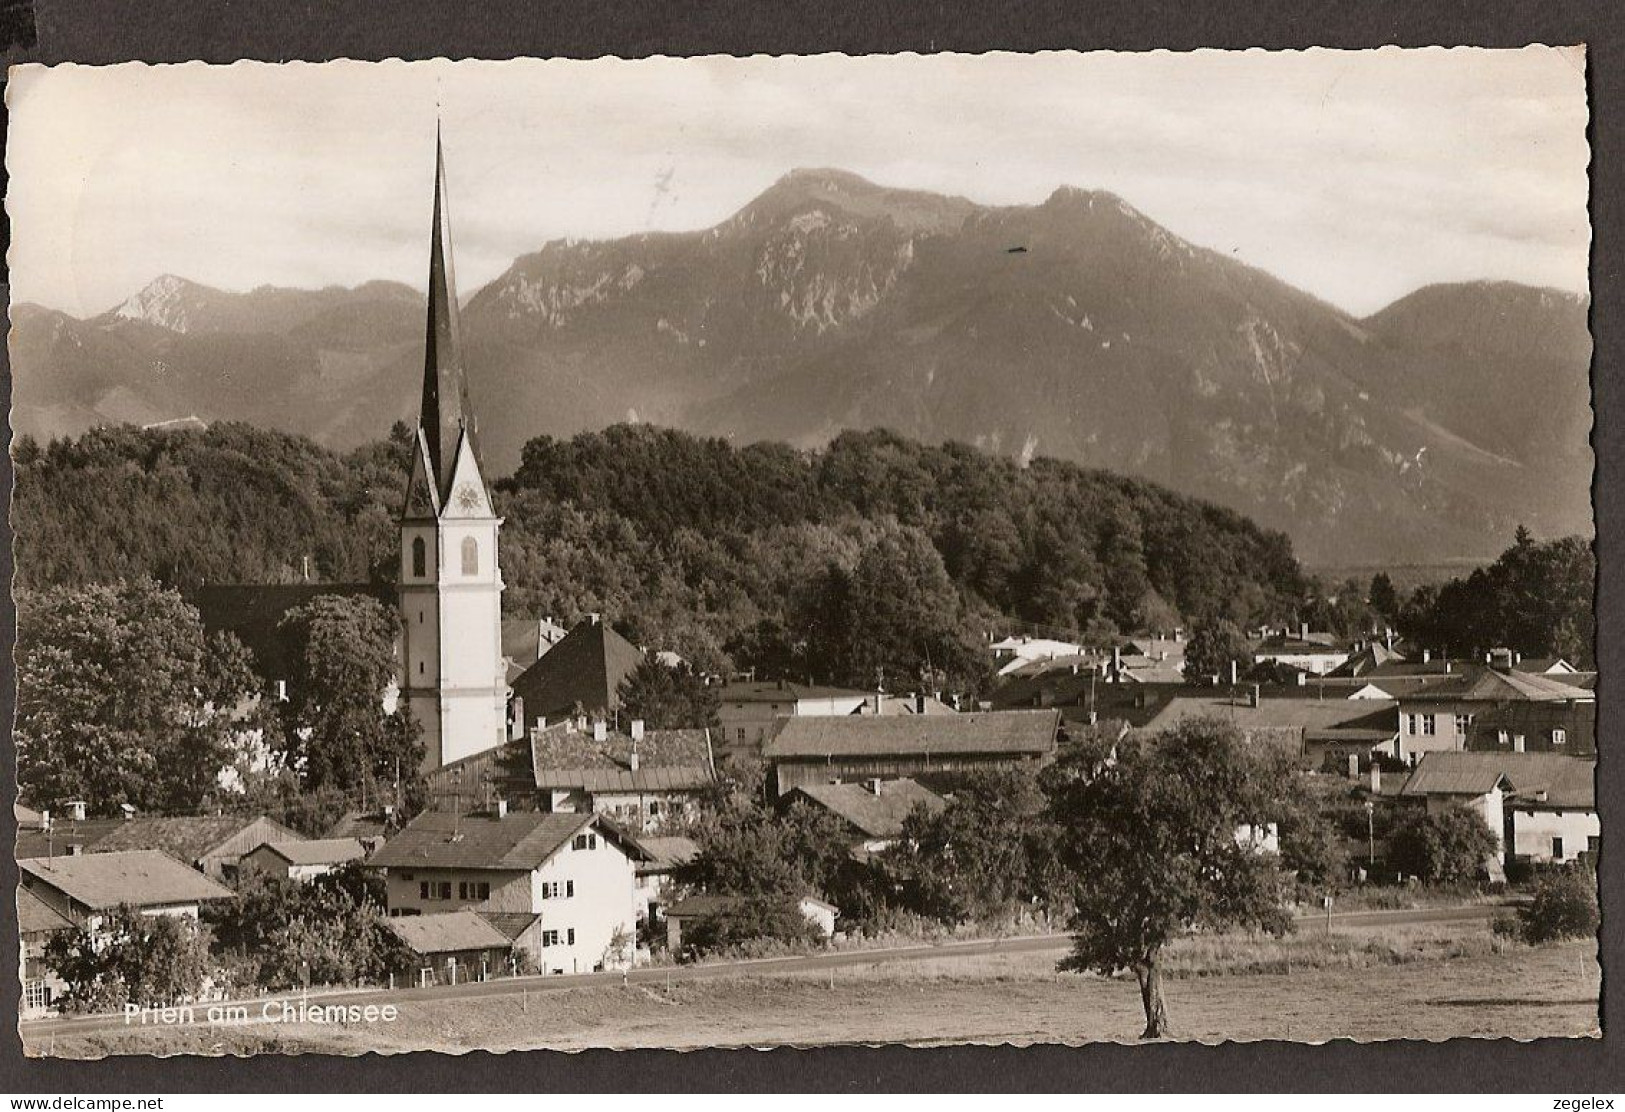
<point x="1464" y="723"/>
<point x="1557" y="849"/>
<point x="1430" y="725"/>
<point x="36" y="995"/>
<point x="550" y="938"/>
<point x="654" y="808"/>
<point x="1560" y="737"/>
<point x="423" y="890"/>
<point x="471" y="556"/>
<point x="585" y="841"/>
<point x="462" y="889"/>
<point x="420" y="558"/>
<point x="1410" y="725"/>
<point x="741" y="733"/>
<point x="482" y="891"/>
<point x="570" y="935"/>
<point x="569" y="888"/>
<point x="1502" y="737"/>
<point x="445" y="889"/>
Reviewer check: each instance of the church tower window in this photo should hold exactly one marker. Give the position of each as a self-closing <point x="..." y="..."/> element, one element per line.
<point x="420" y="557"/>
<point x="471" y="556"/>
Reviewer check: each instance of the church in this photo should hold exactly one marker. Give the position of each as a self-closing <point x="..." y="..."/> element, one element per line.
<point x="452" y="673"/>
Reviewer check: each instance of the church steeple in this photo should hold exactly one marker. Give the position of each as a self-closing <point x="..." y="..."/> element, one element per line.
<point x="447" y="416"/>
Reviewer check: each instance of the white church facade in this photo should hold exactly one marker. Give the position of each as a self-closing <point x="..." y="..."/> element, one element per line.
<point x="452" y="674"/>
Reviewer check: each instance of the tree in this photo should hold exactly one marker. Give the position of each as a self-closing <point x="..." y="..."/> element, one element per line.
<point x="1214" y="645"/>
<point x="1382" y="596"/>
<point x="1449" y="847"/>
<point x="150" y="960"/>
<point x="1151" y="833"/>
<point x="668" y="698"/>
<point x="1564" y="906"/>
<point x="337" y="733"/>
<point x="121" y="698"/>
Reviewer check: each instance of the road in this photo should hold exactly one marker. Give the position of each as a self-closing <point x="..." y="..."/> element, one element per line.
<point x="38" y="1030"/>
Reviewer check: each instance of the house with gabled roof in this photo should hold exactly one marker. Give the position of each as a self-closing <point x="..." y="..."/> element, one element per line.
<point x="1497" y="710"/>
<point x="1541" y="806"/>
<point x="580" y="673"/>
<point x="213" y="844"/>
<point x="574" y="874"/>
<point x="452" y="947"/>
<point x="303" y="860"/>
<point x="37" y="923"/>
<point x="820" y="750"/>
<point x="873" y="812"/>
<point x="85" y="887"/>
<point x="749" y="711"/>
<point x="644" y="779"/>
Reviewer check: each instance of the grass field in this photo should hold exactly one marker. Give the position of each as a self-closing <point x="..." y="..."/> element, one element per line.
<point x="1424" y="982"/>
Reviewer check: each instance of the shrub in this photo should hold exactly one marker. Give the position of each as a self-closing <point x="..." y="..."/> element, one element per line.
<point x="1565" y="906"/>
<point x="1450" y="847"/>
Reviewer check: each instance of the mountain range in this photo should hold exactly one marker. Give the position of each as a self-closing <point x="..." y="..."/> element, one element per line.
<point x="1076" y="328"/>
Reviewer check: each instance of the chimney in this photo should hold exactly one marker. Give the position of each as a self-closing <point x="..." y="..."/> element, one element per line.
<point x="595" y="618"/>
<point x="501" y="808"/>
<point x="1388" y="638"/>
<point x="1517" y="743"/>
<point x="874" y="786"/>
<point x="1117" y="661"/>
<point x="600" y="730"/>
<point x="1376" y="778"/>
<point x="637" y="729"/>
<point x="1540" y="795"/>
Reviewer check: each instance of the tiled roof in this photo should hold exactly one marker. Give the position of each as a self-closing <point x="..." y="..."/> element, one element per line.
<point x="63" y="836"/>
<point x="511" y="924"/>
<point x="516" y="842"/>
<point x="680" y="778"/>
<point x="444" y="932"/>
<point x="875" y="816"/>
<point x="317" y="851"/>
<point x="35" y="916"/>
<point x="1488" y="685"/>
<point x="1028" y="732"/>
<point x="1566" y="781"/>
<point x="667" y="852"/>
<point x="567" y="747"/>
<point x="1310" y="714"/>
<point x="186" y="838"/>
<point x="585" y="669"/>
<point x="143" y="877"/>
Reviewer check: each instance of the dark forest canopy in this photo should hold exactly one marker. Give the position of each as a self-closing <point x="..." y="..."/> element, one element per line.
<point x="713" y="550"/>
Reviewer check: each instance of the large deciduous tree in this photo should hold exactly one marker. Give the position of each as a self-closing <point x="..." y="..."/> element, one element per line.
<point x="337" y="732"/>
<point x="668" y="697"/>
<point x="123" y="699"/>
<point x="1214" y="645"/>
<point x="1155" y="833"/>
<point x="150" y="960"/>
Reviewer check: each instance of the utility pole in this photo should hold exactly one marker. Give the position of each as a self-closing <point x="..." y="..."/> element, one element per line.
<point x="1370" y="835"/>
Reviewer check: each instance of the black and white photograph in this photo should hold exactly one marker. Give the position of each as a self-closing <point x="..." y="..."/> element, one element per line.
<point x="803" y="551"/>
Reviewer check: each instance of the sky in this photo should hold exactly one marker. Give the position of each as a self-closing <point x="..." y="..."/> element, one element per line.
<point x="1356" y="175"/>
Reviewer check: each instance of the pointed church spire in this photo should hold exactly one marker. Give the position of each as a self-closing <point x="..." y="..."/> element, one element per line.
<point x="446" y="412"/>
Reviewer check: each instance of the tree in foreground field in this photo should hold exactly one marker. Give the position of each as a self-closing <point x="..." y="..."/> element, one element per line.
<point x="1564" y="906"/>
<point x="1153" y="834"/>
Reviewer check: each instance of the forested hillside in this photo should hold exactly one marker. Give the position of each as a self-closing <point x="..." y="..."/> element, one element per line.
<point x="875" y="550"/>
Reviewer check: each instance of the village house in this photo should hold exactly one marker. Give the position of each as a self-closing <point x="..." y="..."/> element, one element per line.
<point x="37" y="923"/>
<point x="1319" y="733"/>
<point x="809" y="750"/>
<point x="572" y="874"/>
<point x="1012" y="652"/>
<point x="452" y="947"/>
<point x="303" y="860"/>
<point x="1314" y="653"/>
<point x="643" y="779"/>
<point x="748" y="712"/>
<point x="213" y="844"/>
<point x="873" y="812"/>
<point x="1496" y="710"/>
<point x="580" y="674"/>
<point x="1541" y="806"/>
<point x="664" y="855"/>
<point x="84" y="888"/>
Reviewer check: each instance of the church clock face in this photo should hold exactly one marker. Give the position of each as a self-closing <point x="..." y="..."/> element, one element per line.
<point x="468" y="498"/>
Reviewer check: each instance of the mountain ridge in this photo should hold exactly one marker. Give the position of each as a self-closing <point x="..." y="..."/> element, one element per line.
<point x="1076" y="327"/>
